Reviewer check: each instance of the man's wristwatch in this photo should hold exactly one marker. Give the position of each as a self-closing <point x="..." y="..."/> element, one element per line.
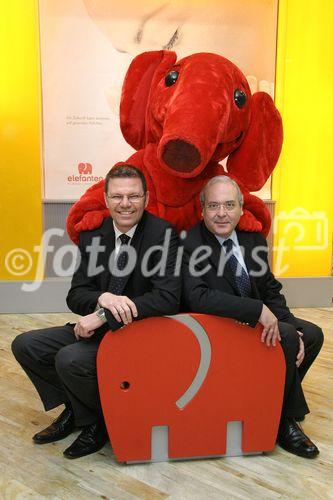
<point x="100" y="313"/>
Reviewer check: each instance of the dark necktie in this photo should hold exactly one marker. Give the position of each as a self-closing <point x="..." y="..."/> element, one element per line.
<point x="117" y="283"/>
<point x="240" y="276"/>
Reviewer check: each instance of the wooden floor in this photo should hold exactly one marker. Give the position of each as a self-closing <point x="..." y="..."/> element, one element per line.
<point x="32" y="471"/>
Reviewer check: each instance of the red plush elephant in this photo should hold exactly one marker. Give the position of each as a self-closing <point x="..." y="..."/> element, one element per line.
<point x="183" y="118"/>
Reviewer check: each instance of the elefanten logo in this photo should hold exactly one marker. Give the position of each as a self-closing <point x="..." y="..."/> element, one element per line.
<point x="85" y="174"/>
<point x="84" y="168"/>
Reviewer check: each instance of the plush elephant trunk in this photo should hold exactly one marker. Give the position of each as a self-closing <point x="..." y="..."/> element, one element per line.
<point x="181" y="156"/>
<point x="190" y="138"/>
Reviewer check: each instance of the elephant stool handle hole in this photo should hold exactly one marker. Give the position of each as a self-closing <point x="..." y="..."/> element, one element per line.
<point x="124" y="385"/>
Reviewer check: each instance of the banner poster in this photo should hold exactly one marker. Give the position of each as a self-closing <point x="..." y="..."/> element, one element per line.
<point x="86" y="48"/>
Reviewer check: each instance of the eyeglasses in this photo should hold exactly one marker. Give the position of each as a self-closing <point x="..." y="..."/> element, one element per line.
<point x="118" y="198"/>
<point x="228" y="206"/>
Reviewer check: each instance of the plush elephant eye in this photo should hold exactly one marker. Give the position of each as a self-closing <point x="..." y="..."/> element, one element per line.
<point x="239" y="98"/>
<point x="171" y="78"/>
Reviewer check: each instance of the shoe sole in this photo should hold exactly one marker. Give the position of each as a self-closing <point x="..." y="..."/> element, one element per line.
<point x="72" y="457"/>
<point x="53" y="440"/>
<point x="299" y="454"/>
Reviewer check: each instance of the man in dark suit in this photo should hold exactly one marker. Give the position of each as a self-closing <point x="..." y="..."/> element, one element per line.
<point x="126" y="273"/>
<point x="226" y="272"/>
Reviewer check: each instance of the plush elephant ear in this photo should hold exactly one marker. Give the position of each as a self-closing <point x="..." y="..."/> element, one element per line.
<point x="144" y="72"/>
<point x="256" y="157"/>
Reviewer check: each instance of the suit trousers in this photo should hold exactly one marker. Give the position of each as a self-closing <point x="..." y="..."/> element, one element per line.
<point x="294" y="403"/>
<point x="62" y="369"/>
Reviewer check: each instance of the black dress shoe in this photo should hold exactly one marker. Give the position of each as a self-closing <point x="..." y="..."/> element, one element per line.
<point x="300" y="419"/>
<point x="292" y="438"/>
<point x="92" y="438"/>
<point x="60" y="428"/>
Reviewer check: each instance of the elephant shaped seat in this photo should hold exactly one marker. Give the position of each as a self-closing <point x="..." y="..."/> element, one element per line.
<point x="189" y="386"/>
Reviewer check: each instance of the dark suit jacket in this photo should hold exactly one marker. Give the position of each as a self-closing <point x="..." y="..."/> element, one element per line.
<point x="217" y="294"/>
<point x="153" y="295"/>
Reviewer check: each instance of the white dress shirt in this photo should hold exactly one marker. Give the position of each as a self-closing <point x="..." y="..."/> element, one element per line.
<point x="236" y="249"/>
<point x="117" y="233"/>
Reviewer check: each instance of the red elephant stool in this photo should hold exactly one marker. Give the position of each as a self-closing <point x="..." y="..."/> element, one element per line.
<point x="189" y="386"/>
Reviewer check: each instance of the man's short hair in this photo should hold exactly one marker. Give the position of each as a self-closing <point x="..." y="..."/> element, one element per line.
<point x="123" y="171"/>
<point x="225" y="180"/>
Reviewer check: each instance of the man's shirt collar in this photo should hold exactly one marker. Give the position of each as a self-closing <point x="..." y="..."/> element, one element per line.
<point x="129" y="233"/>
<point x="232" y="237"/>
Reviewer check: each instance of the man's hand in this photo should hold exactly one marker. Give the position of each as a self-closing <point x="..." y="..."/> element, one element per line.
<point x="301" y="352"/>
<point x="86" y="326"/>
<point x="270" y="333"/>
<point x="122" y="308"/>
